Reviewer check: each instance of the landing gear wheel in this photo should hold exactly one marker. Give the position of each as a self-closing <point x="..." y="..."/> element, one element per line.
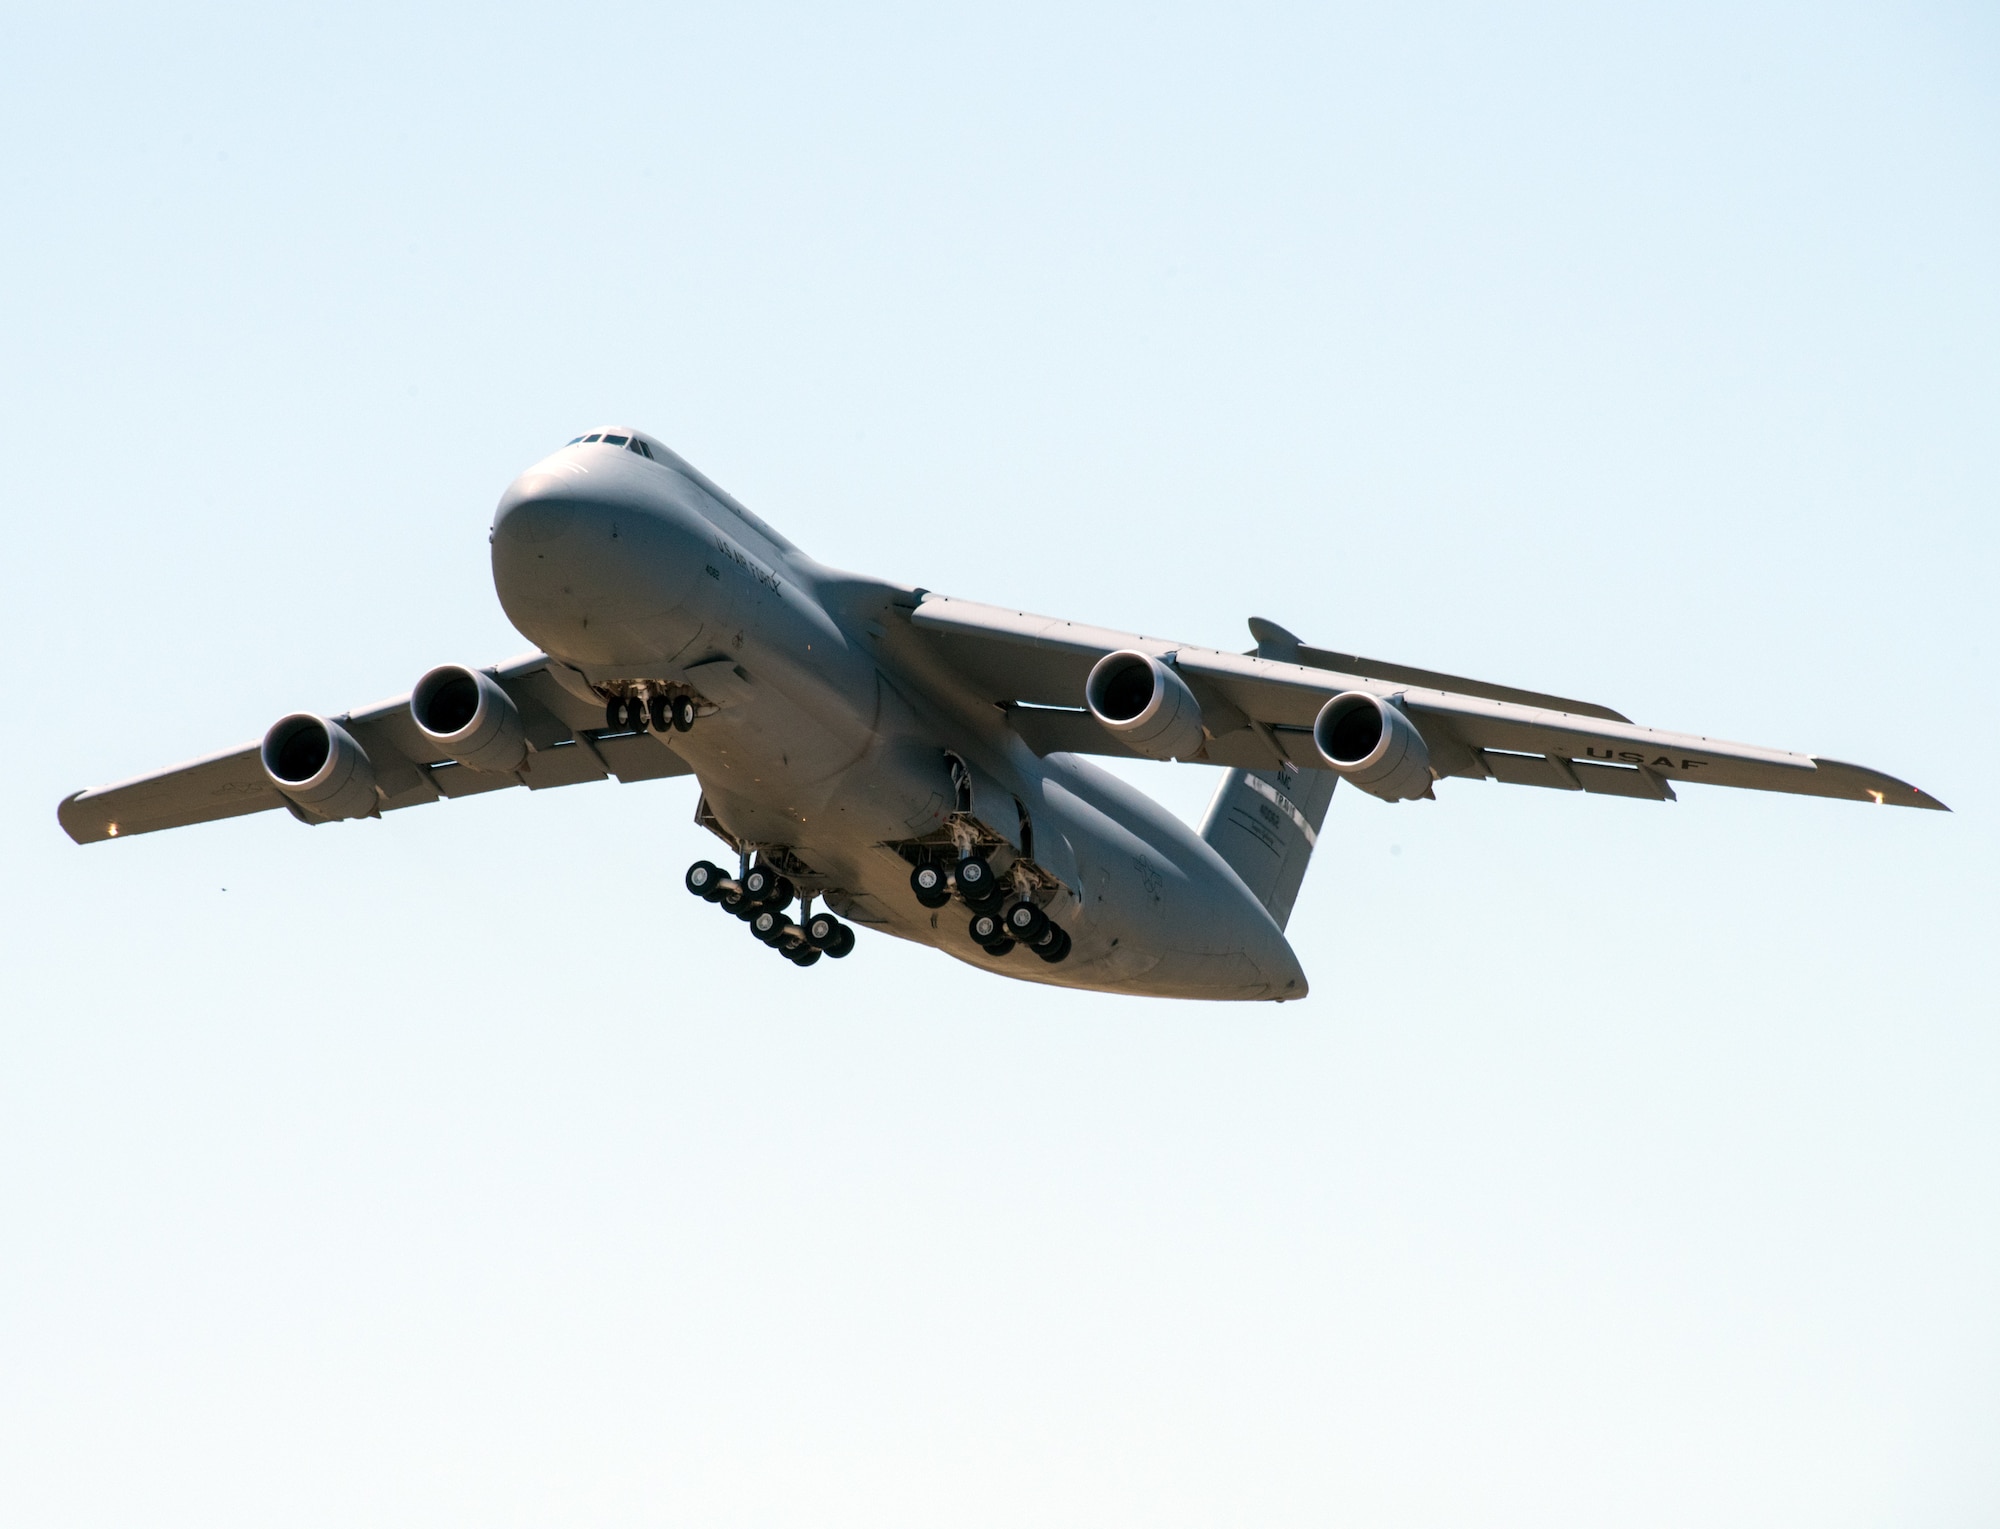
<point x="706" y="880"/>
<point x="932" y="884"/>
<point x="657" y="713"/>
<point x="614" y="713"/>
<point x="827" y="933"/>
<point x="1026" y="922"/>
<point x="975" y="880"/>
<point x="732" y="900"/>
<point x="1053" y="946"/>
<point x="768" y="888"/>
<point x="805" y="955"/>
<point x="998" y="947"/>
<point x="635" y="714"/>
<point x="771" y="926"/>
<point x="986" y="929"/>
<point x="683" y="713"/>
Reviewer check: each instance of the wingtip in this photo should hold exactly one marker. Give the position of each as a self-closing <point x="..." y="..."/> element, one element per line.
<point x="75" y="824"/>
<point x="1859" y="783"/>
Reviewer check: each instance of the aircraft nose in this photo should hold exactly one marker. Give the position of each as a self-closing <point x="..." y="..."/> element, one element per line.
<point x="537" y="509"/>
<point x="592" y="568"/>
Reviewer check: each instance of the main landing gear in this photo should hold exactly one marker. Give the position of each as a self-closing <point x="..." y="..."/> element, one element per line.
<point x="997" y="926"/>
<point x="760" y="898"/>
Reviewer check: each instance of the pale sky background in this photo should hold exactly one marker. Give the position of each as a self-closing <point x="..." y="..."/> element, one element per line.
<point x="1629" y="1165"/>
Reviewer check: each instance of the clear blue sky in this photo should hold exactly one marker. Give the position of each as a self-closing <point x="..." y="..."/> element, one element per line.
<point x="1629" y="1165"/>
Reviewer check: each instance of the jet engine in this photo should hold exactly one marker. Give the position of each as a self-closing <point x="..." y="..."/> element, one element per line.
<point x="1144" y="704"/>
<point x="319" y="766"/>
<point x="468" y="715"/>
<point x="1373" y="744"/>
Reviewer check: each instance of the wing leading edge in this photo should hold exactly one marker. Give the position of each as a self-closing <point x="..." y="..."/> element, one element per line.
<point x="1259" y="708"/>
<point x="564" y="750"/>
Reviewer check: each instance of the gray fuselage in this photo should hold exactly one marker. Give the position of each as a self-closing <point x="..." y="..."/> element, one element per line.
<point x="832" y="742"/>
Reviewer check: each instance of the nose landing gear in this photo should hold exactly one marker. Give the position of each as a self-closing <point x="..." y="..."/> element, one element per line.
<point x="646" y="708"/>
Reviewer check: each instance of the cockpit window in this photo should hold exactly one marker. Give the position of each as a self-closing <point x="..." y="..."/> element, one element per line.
<point x="633" y="443"/>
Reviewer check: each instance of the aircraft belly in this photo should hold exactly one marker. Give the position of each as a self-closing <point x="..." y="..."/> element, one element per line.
<point x="1149" y="919"/>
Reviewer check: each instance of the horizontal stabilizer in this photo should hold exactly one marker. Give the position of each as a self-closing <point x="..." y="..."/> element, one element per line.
<point x="1273" y="641"/>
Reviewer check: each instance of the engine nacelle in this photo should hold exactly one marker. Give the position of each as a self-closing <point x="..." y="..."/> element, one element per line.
<point x="1145" y="705"/>
<point x="468" y="715"/>
<point x="319" y="766"/>
<point x="1373" y="744"/>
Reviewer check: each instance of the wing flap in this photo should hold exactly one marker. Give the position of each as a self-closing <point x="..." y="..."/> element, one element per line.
<point x="1072" y="730"/>
<point x="1273" y="641"/>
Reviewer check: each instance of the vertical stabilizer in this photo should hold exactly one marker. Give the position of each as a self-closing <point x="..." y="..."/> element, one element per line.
<point x="1264" y="824"/>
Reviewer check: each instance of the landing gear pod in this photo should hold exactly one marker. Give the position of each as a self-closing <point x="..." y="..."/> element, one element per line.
<point x="1364" y="738"/>
<point x="319" y="766"/>
<point x="468" y="715"/>
<point x="1145" y="705"/>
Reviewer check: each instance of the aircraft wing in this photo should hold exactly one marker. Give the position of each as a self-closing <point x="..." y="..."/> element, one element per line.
<point x="1258" y="710"/>
<point x="567" y="741"/>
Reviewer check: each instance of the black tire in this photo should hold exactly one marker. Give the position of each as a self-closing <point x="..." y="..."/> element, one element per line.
<point x="705" y="880"/>
<point x="841" y="951"/>
<point x="976" y="881"/>
<point x="823" y="930"/>
<point x="635" y="715"/>
<point x="932" y="884"/>
<point x="986" y="928"/>
<point x="769" y="925"/>
<point x="805" y="955"/>
<point x="769" y="888"/>
<point x="731" y="899"/>
<point x="1053" y="946"/>
<point x="1026" y="923"/>
<point x="998" y="947"/>
<point x="658" y="714"/>
<point x="614" y="713"/>
<point x="683" y="710"/>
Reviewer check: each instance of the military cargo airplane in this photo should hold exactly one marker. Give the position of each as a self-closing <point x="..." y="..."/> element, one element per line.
<point x="909" y="762"/>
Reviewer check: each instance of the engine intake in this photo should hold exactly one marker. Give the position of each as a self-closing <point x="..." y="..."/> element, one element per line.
<point x="468" y="715"/>
<point x="1364" y="738"/>
<point x="1145" y="705"/>
<point x="319" y="766"/>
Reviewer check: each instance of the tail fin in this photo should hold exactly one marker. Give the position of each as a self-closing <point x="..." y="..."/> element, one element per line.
<point x="1264" y="824"/>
